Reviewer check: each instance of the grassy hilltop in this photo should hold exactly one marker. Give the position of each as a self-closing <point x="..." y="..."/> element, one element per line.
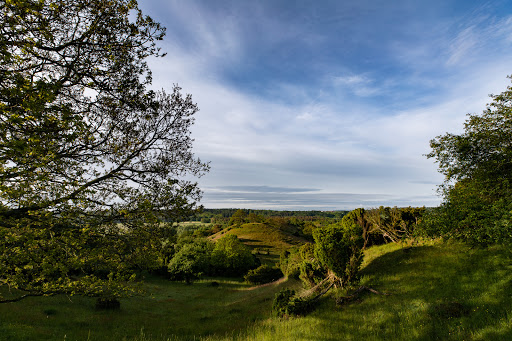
<point x="266" y="241"/>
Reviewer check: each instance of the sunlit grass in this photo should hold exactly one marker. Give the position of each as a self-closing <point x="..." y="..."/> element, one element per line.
<point x="439" y="292"/>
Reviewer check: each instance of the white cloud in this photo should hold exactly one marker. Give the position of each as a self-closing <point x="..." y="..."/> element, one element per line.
<point x="326" y="138"/>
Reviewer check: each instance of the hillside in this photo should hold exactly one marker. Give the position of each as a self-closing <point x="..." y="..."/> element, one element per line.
<point x="439" y="291"/>
<point x="267" y="242"/>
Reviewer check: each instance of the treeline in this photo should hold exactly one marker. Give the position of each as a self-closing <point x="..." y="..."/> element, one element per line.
<point x="222" y="215"/>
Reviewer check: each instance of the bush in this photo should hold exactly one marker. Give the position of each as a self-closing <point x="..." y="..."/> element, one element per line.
<point x="230" y="257"/>
<point x="285" y="304"/>
<point x="263" y="274"/>
<point x="191" y="261"/>
<point x="289" y="263"/>
<point x="338" y="247"/>
<point x="107" y="303"/>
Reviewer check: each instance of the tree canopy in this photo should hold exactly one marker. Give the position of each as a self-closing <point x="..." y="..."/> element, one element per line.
<point x="477" y="165"/>
<point x="85" y="145"/>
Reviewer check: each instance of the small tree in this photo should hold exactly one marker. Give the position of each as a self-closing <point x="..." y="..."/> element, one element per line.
<point x="231" y="257"/>
<point x="338" y="247"/>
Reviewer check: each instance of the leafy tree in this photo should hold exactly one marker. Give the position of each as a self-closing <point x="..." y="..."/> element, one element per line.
<point x="191" y="261"/>
<point x="231" y="257"/>
<point x="477" y="166"/>
<point x="238" y="218"/>
<point x="338" y="247"/>
<point x="85" y="147"/>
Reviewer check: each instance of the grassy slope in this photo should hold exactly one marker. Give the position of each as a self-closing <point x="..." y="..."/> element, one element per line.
<point x="268" y="242"/>
<point x="439" y="291"/>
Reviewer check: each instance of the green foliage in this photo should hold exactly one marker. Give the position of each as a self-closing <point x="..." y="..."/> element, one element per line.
<point x="311" y="271"/>
<point x="263" y="274"/>
<point x="231" y="257"/>
<point x="338" y="247"/>
<point x="238" y="218"/>
<point x="191" y="260"/>
<point x="289" y="262"/>
<point x="392" y="224"/>
<point x="477" y="165"/>
<point x="91" y="160"/>
<point x="287" y="304"/>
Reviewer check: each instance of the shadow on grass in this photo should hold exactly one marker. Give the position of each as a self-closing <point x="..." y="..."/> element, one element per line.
<point x="440" y="292"/>
<point x="455" y="292"/>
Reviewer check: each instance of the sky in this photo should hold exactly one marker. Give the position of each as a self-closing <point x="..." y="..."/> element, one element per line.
<point x="329" y="105"/>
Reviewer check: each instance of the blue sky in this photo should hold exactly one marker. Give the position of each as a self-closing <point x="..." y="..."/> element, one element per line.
<point x="329" y="104"/>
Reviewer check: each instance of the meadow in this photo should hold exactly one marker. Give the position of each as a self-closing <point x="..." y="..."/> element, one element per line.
<point x="439" y="291"/>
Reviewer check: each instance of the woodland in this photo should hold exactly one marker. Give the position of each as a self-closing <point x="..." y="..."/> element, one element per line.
<point x="103" y="238"/>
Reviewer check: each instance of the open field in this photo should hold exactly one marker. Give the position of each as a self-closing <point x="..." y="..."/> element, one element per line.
<point x="170" y="308"/>
<point x="439" y="292"/>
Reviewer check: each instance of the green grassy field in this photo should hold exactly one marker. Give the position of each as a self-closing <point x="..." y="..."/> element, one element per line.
<point x="169" y="308"/>
<point x="439" y="292"/>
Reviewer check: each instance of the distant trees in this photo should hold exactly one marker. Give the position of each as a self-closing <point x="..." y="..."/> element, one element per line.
<point x="238" y="218"/>
<point x="477" y="165"/>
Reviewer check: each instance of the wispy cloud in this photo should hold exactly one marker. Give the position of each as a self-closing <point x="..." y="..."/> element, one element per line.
<point x="296" y="114"/>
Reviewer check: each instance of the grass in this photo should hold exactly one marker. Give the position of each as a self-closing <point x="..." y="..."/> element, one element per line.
<point x="266" y="241"/>
<point x="440" y="291"/>
<point x="170" y="308"/>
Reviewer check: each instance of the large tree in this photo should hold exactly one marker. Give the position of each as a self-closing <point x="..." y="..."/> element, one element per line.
<point x="477" y="165"/>
<point x="85" y="145"/>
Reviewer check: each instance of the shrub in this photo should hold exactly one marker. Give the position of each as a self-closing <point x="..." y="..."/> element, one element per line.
<point x="107" y="303"/>
<point x="191" y="261"/>
<point x="338" y="247"/>
<point x="231" y="257"/>
<point x="263" y="274"/>
<point x="285" y="304"/>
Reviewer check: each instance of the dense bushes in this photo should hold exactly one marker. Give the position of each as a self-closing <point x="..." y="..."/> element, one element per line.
<point x="191" y="261"/>
<point x="231" y="257"/>
<point x="287" y="304"/>
<point x="195" y="257"/>
<point x="263" y="274"/>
